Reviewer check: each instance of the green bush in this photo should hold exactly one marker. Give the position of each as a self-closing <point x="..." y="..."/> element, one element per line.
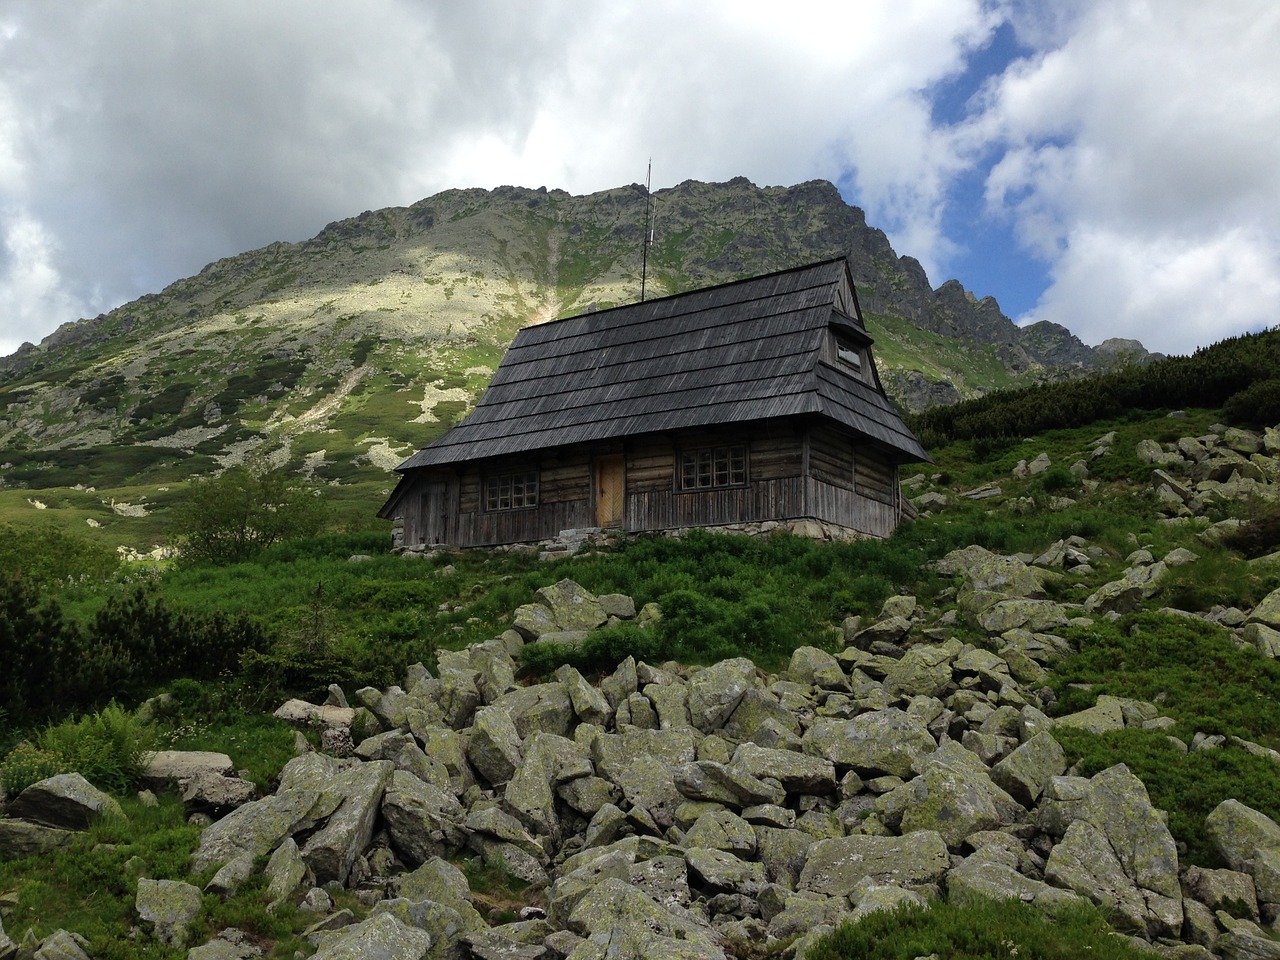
<point x="1188" y="785"/>
<point x="234" y="517"/>
<point x="46" y="555"/>
<point x="1257" y="405"/>
<point x="107" y="748"/>
<point x="600" y="653"/>
<point x="26" y="764"/>
<point x="133" y="643"/>
<point x="1195" y="671"/>
<point x="976" y="931"/>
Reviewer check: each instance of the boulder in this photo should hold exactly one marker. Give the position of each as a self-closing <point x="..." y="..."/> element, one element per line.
<point x="715" y="691"/>
<point x="1024" y="772"/>
<point x="494" y="748"/>
<point x="288" y="875"/>
<point x="381" y="935"/>
<point x="169" y="906"/>
<point x="953" y="797"/>
<point x="878" y="742"/>
<point x="422" y="820"/>
<point x="301" y="713"/>
<point x="65" y="802"/>
<point x="572" y="607"/>
<point x="722" y="830"/>
<point x="1118" y="851"/>
<point x="924" y="671"/>
<point x="1249" y="842"/>
<point x="836" y="866"/>
<point x="719" y="870"/>
<point x="215" y="794"/>
<point x="332" y="851"/>
<point x="20" y="839"/>
<point x="797" y="772"/>
<point x="719" y="783"/>
<point x="979" y="878"/>
<point x="1267" y="612"/>
<point x="170" y="767"/>
<point x="620" y="921"/>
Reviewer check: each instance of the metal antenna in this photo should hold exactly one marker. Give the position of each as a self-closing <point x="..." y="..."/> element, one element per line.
<point x="648" y="228"/>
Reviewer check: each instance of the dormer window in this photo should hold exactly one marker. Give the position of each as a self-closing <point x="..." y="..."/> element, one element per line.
<point x="849" y="355"/>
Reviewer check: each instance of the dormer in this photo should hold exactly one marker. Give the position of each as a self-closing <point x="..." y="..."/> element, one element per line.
<point x="848" y="348"/>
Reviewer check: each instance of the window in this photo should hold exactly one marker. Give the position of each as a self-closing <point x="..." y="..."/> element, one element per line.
<point x="850" y="355"/>
<point x="713" y="467"/>
<point x="511" y="491"/>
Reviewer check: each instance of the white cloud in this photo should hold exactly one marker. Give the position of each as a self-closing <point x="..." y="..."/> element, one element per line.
<point x="158" y="135"/>
<point x="1143" y="163"/>
<point x="30" y="285"/>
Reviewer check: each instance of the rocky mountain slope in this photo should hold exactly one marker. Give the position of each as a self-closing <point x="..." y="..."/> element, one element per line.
<point x="340" y="355"/>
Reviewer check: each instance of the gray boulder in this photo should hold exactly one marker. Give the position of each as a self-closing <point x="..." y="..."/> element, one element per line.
<point x="880" y="741"/>
<point x="65" y="802"/>
<point x="836" y="866"/>
<point x="332" y="851"/>
<point x="169" y="906"/>
<point x="288" y="875"/>
<point x="715" y="691"/>
<point x="1024" y="773"/>
<point x="954" y="796"/>
<point x="1118" y="851"/>
<point x="20" y="839"/>
<point x="383" y="935"/>
<point x="170" y="767"/>
<point x="1249" y="842"/>
<point x="422" y="820"/>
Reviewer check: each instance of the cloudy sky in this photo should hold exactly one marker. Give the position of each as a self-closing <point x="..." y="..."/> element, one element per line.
<point x="1113" y="165"/>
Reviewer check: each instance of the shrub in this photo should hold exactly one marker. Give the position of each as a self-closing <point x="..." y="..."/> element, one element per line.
<point x="108" y="748"/>
<point x="26" y="764"/>
<point x="234" y="517"/>
<point x="1259" y="535"/>
<point x="45" y="555"/>
<point x="1189" y="785"/>
<point x="1257" y="405"/>
<point x="1193" y="668"/>
<point x="969" y="931"/>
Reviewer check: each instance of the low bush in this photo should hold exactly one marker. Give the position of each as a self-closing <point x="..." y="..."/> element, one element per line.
<point x="107" y="748"/>
<point x="134" y="643"/>
<point x="603" y="650"/>
<point x="1192" y="668"/>
<point x="1257" y="405"/>
<point x="976" y="931"/>
<point x="26" y="764"/>
<point x="1188" y="785"/>
<point x="45" y="555"/>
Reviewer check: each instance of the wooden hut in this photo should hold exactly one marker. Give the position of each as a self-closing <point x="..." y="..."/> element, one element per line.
<point x="746" y="405"/>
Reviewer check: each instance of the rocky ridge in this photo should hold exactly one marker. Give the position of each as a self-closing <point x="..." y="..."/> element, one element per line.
<point x="275" y="354"/>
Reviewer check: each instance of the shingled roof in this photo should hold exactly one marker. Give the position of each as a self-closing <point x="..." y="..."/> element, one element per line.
<point x="730" y="354"/>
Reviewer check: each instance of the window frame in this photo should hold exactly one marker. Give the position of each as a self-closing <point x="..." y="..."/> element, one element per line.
<point x="512" y="490"/>
<point x="721" y="466"/>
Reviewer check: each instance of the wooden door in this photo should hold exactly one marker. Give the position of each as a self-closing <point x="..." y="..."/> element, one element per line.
<point x="611" y="485"/>
<point x="435" y="512"/>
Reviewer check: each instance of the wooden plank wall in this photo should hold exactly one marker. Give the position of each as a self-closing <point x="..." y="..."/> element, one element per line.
<point x="831" y="457"/>
<point x="874" y="476"/>
<point x="849" y="509"/>
<point x="666" y="509"/>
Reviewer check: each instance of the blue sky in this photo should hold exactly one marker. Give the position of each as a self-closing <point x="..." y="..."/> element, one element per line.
<point x="1111" y="165"/>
